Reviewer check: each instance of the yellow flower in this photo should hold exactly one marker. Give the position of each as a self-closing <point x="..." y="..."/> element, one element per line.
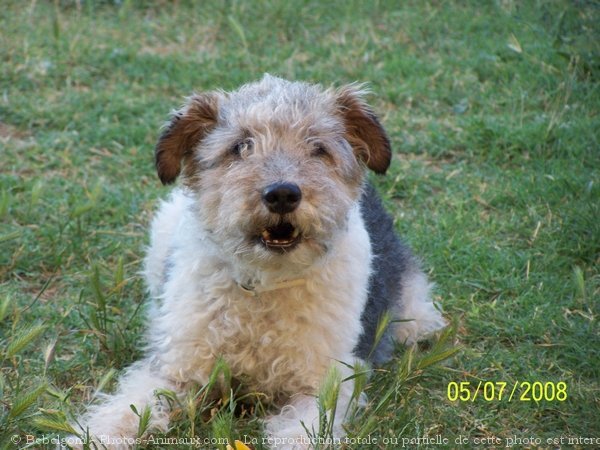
<point x="238" y="445"/>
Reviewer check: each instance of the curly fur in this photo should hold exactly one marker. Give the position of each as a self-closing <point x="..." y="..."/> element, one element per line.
<point x="205" y="246"/>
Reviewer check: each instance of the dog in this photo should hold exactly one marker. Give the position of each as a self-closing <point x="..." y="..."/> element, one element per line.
<point x="274" y="255"/>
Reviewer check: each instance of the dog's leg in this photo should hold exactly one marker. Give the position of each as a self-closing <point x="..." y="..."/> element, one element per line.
<point x="297" y="425"/>
<point x="419" y="316"/>
<point x="113" y="423"/>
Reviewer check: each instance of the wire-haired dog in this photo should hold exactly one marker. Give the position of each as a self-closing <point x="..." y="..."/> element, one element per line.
<point x="275" y="254"/>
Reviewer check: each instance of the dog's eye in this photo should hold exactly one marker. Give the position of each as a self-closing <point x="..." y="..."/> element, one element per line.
<point x="241" y="148"/>
<point x="319" y="150"/>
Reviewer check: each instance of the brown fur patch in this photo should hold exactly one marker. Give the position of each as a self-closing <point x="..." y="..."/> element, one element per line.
<point x="187" y="127"/>
<point x="364" y="132"/>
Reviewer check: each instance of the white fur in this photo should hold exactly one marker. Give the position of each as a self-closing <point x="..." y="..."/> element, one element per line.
<point x="202" y="311"/>
<point x="420" y="318"/>
<point x="283" y="341"/>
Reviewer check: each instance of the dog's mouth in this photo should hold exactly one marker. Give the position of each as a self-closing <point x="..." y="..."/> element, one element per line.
<point x="280" y="237"/>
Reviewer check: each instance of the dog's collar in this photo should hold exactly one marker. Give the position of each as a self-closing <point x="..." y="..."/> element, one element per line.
<point x="253" y="291"/>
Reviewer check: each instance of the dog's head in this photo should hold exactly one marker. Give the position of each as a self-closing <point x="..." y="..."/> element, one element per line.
<point x="275" y="166"/>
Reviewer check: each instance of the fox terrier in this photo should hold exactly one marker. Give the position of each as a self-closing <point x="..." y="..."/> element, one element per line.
<point x="274" y="254"/>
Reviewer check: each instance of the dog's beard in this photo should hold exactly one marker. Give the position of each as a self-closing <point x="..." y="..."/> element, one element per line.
<point x="278" y="243"/>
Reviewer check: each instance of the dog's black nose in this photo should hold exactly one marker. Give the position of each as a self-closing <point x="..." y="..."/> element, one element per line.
<point x="282" y="198"/>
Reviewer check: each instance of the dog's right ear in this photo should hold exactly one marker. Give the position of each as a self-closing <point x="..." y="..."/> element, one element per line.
<point x="183" y="133"/>
<point x="364" y="132"/>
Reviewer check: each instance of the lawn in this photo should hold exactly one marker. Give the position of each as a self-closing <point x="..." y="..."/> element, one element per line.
<point x="493" y="109"/>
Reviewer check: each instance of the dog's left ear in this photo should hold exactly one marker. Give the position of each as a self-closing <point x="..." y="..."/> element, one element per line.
<point x="363" y="130"/>
<point x="183" y="133"/>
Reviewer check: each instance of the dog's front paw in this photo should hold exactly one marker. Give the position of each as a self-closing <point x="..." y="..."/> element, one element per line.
<point x="288" y="429"/>
<point x="288" y="439"/>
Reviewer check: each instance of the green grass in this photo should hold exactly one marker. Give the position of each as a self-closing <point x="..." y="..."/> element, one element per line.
<point x="493" y="110"/>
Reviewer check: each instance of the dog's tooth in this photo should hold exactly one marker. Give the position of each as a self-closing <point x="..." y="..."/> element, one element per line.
<point x="266" y="234"/>
<point x="295" y="233"/>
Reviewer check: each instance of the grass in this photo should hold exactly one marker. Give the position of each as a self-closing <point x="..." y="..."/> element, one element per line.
<point x="493" y="110"/>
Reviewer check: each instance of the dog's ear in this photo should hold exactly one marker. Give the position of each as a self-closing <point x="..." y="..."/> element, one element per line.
<point x="185" y="130"/>
<point x="363" y="130"/>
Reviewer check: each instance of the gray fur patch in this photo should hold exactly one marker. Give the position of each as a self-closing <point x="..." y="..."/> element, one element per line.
<point x="392" y="261"/>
